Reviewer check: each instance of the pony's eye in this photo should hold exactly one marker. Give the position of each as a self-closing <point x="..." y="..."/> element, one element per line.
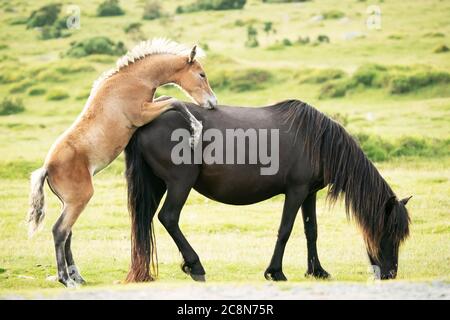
<point x="202" y="75"/>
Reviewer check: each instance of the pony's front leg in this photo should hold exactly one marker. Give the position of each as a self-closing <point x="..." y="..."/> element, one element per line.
<point x="310" y="226"/>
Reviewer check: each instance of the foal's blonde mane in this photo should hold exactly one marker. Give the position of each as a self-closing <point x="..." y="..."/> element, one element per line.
<point x="143" y="50"/>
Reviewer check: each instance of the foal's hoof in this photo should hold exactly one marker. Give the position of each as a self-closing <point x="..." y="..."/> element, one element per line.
<point x="68" y="283"/>
<point x="275" y="275"/>
<point x="318" y="273"/>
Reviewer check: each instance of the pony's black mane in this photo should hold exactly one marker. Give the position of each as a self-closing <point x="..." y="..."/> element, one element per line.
<point x="346" y="170"/>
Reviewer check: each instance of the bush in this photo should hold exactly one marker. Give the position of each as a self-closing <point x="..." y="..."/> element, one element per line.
<point x="334" y="90"/>
<point x="96" y="45"/>
<point x="240" y="80"/>
<point x="303" y="40"/>
<point x="333" y="14"/>
<point x="441" y="49"/>
<point x="286" y="42"/>
<point x="323" y="38"/>
<point x="44" y="16"/>
<point x="109" y="8"/>
<point x="11" y="106"/>
<point x="152" y="10"/>
<point x="370" y="75"/>
<point x="37" y="91"/>
<point x="378" y="149"/>
<point x="57" y="94"/>
<point x="321" y="75"/>
<point x="252" y="37"/>
<point x="404" y="83"/>
<point x="133" y="27"/>
<point x="21" y="86"/>
<point x="206" y="5"/>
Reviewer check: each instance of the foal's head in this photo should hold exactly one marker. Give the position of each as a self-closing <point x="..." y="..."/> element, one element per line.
<point x="395" y="230"/>
<point x="192" y="79"/>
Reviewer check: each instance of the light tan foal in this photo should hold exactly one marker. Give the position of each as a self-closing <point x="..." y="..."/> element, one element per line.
<point x="120" y="103"/>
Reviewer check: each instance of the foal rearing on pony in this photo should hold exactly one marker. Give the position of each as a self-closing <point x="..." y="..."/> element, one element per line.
<point x="121" y="100"/>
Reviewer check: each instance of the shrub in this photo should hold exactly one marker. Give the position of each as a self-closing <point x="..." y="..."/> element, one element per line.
<point x="96" y="45"/>
<point x="252" y="37"/>
<point x="37" y="91"/>
<point x="11" y="106"/>
<point x="303" y="40"/>
<point x="21" y="86"/>
<point x="240" y="80"/>
<point x="206" y="5"/>
<point x="334" y="90"/>
<point x="323" y="38"/>
<point x="57" y="94"/>
<point x="133" y="27"/>
<point x="10" y="76"/>
<point x="321" y="75"/>
<point x="152" y="10"/>
<point x="109" y="8"/>
<point x="404" y="83"/>
<point x="370" y="75"/>
<point x="333" y="14"/>
<point x="44" y="16"/>
<point x="286" y="42"/>
<point x="441" y="49"/>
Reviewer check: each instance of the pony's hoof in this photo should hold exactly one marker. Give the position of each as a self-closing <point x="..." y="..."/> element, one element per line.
<point x="275" y="275"/>
<point x="198" y="277"/>
<point x="318" y="273"/>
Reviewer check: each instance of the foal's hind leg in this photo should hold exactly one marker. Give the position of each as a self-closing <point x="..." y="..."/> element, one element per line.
<point x="74" y="188"/>
<point x="169" y="217"/>
<point x="310" y="225"/>
<point x="292" y="203"/>
<point x="72" y="269"/>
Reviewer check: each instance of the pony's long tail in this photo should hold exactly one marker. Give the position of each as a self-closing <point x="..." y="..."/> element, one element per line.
<point x="36" y="213"/>
<point x="145" y="191"/>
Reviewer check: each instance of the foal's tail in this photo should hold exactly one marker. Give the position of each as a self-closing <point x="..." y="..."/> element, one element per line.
<point x="145" y="191"/>
<point x="36" y="213"/>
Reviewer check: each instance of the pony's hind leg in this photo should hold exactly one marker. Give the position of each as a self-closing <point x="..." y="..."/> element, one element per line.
<point x="310" y="225"/>
<point x="292" y="202"/>
<point x="74" y="188"/>
<point x="169" y="217"/>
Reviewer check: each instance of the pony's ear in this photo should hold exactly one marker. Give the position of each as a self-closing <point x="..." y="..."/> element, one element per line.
<point x="405" y="201"/>
<point x="390" y="204"/>
<point x="192" y="54"/>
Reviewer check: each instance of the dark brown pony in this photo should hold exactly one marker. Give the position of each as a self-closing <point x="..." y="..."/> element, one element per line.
<point x="314" y="152"/>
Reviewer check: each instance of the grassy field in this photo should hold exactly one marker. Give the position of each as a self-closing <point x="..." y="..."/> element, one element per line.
<point x="389" y="87"/>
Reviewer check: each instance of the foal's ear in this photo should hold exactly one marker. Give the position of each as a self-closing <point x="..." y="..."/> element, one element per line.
<point x="192" y="54"/>
<point x="405" y="201"/>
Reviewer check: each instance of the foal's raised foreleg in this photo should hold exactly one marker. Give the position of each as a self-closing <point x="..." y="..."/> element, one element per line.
<point x="310" y="225"/>
<point x="292" y="202"/>
<point x="169" y="217"/>
<point x="151" y="110"/>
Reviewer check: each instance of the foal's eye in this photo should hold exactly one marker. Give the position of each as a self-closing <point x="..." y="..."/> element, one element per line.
<point x="203" y="75"/>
